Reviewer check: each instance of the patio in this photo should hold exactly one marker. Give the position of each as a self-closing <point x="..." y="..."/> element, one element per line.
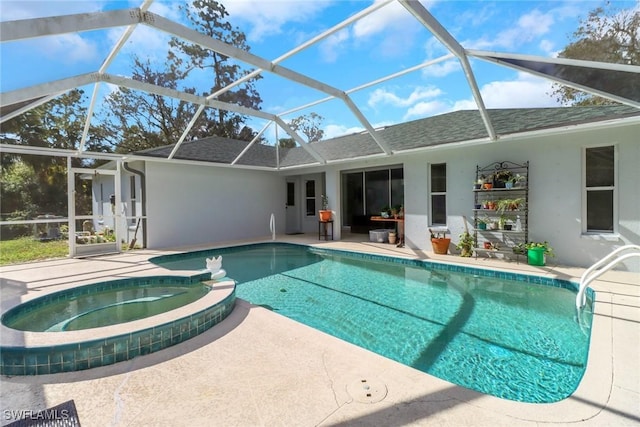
<point x="259" y="368"/>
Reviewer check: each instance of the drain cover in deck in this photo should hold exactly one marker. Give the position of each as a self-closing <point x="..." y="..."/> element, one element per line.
<point x="366" y="390"/>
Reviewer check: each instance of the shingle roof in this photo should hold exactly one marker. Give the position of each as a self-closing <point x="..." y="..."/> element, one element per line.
<point x="457" y="126"/>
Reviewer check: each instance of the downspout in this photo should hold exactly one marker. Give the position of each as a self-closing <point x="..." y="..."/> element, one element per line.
<point x="143" y="187"/>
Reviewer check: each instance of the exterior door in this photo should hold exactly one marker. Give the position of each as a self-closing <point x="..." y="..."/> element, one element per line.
<point x="94" y="212"/>
<point x="292" y="206"/>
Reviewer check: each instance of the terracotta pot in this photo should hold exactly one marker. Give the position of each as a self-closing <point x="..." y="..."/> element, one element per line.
<point x="441" y="245"/>
<point x="487" y="185"/>
<point x="324" y="215"/>
<point x="392" y="238"/>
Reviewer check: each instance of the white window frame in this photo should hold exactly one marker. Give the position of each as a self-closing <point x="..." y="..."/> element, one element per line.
<point x="438" y="193"/>
<point x="585" y="190"/>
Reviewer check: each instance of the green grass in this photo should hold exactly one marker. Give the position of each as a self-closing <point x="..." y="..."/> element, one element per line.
<point x="27" y="249"/>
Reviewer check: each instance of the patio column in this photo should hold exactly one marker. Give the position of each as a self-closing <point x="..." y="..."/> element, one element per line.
<point x="332" y="185"/>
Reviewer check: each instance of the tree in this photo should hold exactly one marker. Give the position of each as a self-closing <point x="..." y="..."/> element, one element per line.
<point x="286" y="143"/>
<point x="141" y="120"/>
<point x="605" y="36"/>
<point x="33" y="184"/>
<point x="208" y="17"/>
<point x="309" y="125"/>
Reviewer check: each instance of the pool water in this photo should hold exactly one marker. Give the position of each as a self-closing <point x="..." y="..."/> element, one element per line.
<point x="508" y="338"/>
<point x="104" y="308"/>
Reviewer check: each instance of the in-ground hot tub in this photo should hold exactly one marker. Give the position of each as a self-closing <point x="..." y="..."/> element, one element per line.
<point x="37" y="335"/>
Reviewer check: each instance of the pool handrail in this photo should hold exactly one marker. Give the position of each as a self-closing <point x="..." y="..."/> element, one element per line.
<point x="593" y="273"/>
<point x="272" y="226"/>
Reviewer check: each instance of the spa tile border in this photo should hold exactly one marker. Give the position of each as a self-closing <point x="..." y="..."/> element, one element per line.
<point x="106" y="351"/>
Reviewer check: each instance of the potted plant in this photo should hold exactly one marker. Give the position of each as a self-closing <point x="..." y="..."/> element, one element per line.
<point x="482" y="223"/>
<point x="440" y="242"/>
<point x="520" y="249"/>
<point x="487" y="183"/>
<point x="502" y="221"/>
<point x="324" y="212"/>
<point x="536" y="252"/>
<point x="395" y="209"/>
<point x="503" y="205"/>
<point x="501" y="177"/>
<point x="516" y="181"/>
<point x="466" y="244"/>
<point x="386" y="211"/>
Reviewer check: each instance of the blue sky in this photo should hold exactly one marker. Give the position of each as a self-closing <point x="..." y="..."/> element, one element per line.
<point x="387" y="41"/>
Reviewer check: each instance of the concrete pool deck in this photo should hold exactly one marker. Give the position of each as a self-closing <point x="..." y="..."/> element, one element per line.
<point x="257" y="368"/>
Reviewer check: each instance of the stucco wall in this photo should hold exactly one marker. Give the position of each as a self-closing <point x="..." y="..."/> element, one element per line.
<point x="189" y="205"/>
<point x="192" y="205"/>
<point x="555" y="191"/>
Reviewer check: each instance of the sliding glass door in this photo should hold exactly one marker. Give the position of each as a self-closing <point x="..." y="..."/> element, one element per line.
<point x="367" y="192"/>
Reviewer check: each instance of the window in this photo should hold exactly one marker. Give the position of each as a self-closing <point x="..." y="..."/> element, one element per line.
<point x="310" y="196"/>
<point x="291" y="194"/>
<point x="600" y="198"/>
<point x="438" y="192"/>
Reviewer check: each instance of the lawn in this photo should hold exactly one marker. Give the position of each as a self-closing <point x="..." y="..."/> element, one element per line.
<point x="26" y="249"/>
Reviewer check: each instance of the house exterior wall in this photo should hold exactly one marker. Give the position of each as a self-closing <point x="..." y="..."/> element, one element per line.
<point x="555" y="191"/>
<point x="193" y="205"/>
<point x="190" y="205"/>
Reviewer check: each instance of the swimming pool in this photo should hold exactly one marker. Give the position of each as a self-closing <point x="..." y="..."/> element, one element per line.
<point x="509" y="335"/>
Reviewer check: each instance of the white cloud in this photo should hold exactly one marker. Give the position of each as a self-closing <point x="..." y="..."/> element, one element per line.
<point x="441" y="69"/>
<point x="525" y="91"/>
<point x="332" y="131"/>
<point x="383" y="96"/>
<point x="69" y="48"/>
<point x="424" y="109"/>
<point x="391" y="16"/>
<point x="15" y="10"/>
<point x="333" y="45"/>
<point x="528" y="27"/>
<point x="268" y="17"/>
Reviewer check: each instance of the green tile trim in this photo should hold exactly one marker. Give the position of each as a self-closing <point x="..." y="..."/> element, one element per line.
<point x="102" y="352"/>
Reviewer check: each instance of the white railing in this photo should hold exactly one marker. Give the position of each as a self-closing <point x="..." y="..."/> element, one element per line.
<point x="272" y="226"/>
<point x="592" y="273"/>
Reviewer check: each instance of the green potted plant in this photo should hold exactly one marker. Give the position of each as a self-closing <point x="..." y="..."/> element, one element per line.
<point x="482" y="223"/>
<point x="520" y="249"/>
<point x="466" y="244"/>
<point x="503" y="205"/>
<point x="501" y="177"/>
<point x="515" y="181"/>
<point x="536" y="252"/>
<point x="324" y="212"/>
